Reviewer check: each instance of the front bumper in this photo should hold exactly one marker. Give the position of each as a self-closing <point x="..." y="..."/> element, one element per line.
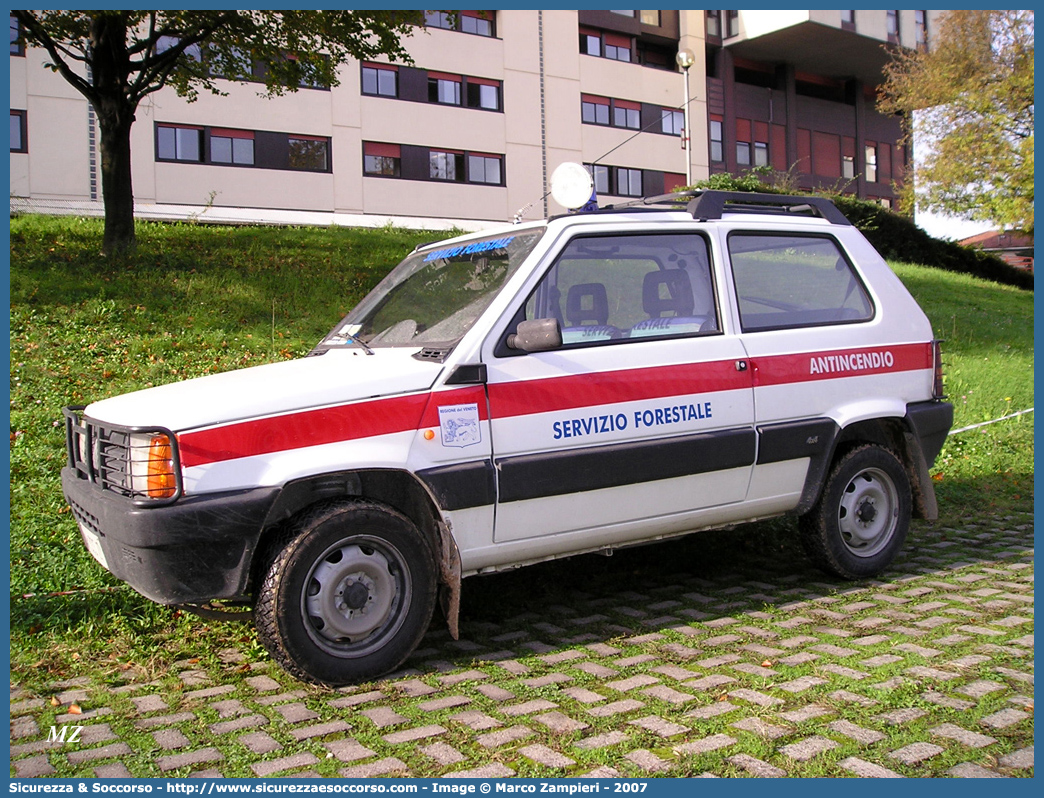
<point x="198" y="549"/>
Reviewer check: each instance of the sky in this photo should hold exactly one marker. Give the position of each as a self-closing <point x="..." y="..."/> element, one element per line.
<point x="949" y="227"/>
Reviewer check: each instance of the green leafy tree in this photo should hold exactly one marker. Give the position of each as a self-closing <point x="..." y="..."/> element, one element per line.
<point x="117" y="58"/>
<point x="973" y="98"/>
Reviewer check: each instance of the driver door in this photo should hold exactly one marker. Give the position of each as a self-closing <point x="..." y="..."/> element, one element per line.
<point x="641" y="422"/>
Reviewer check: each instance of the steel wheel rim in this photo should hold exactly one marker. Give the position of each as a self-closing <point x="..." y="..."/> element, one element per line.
<point x="868" y="513"/>
<point x="356" y="596"/>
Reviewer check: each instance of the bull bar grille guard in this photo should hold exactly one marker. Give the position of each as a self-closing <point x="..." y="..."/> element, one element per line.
<point x="102" y="453"/>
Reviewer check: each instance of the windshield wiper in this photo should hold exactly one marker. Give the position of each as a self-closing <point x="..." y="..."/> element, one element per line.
<point x="353" y="339"/>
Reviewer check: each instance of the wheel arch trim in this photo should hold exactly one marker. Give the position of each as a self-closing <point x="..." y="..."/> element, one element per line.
<point x="399" y="489"/>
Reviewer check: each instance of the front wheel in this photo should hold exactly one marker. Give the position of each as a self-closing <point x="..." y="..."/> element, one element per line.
<point x="861" y="519"/>
<point x="349" y="595"/>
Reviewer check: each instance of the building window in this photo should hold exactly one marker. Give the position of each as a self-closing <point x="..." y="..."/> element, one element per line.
<point x="921" y="30"/>
<point x="179" y="143"/>
<point x="409" y="162"/>
<point x="439" y="19"/>
<point x="628" y="182"/>
<point x="717" y="142"/>
<point x="848" y="20"/>
<point x="744" y="145"/>
<point x="617" y="180"/>
<point x="444" y="89"/>
<point x="17" y="46"/>
<point x="752" y="143"/>
<point x="892" y="26"/>
<point x="649" y="18"/>
<point x="227" y="147"/>
<point x="614" y="46"/>
<point x="232" y="146"/>
<point x="607" y="111"/>
<point x="848" y="160"/>
<point x="482" y="93"/>
<point x="627" y="114"/>
<point x="444" y="165"/>
<point x="743" y="153"/>
<point x="847" y="166"/>
<point x="19" y="142"/>
<point x="731" y="24"/>
<point x="617" y="47"/>
<point x="230" y="66"/>
<point x="870" y="154"/>
<point x="761" y="153"/>
<point x="479" y="23"/>
<point x="484" y="169"/>
<point x="672" y="122"/>
<point x="382" y="160"/>
<point x="601" y="177"/>
<point x="193" y="52"/>
<point x="309" y="153"/>
<point x="713" y="22"/>
<point x="590" y="43"/>
<point x="594" y="110"/>
<point x="380" y="81"/>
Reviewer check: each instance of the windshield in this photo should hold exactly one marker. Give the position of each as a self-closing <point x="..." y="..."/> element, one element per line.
<point x="435" y="295"/>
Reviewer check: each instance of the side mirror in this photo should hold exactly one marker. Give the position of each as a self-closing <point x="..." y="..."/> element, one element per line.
<point x="538" y="335"/>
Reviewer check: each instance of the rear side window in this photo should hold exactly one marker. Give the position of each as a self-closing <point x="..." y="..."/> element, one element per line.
<point x="784" y="281"/>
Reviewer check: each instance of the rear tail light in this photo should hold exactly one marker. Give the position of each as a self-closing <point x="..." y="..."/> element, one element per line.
<point x="937" y="384"/>
<point x="160" y="480"/>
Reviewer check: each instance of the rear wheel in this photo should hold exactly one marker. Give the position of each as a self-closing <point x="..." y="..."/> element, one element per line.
<point x="349" y="595"/>
<point x="862" y="517"/>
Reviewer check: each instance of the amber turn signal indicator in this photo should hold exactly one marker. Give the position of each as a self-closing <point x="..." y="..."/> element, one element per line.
<point x="160" y="481"/>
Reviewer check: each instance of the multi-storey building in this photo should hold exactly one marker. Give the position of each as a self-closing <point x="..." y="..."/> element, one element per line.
<point x="491" y="104"/>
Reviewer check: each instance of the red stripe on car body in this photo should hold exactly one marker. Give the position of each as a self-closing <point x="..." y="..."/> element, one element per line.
<point x="371" y="418"/>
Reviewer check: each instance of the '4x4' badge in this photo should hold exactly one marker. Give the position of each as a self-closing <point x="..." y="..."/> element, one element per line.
<point x="460" y="425"/>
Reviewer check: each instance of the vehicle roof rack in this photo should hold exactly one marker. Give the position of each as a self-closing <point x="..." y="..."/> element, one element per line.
<point x="712" y="204"/>
<point x="706" y="204"/>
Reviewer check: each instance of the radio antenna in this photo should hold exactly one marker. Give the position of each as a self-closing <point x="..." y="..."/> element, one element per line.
<point x="643" y="130"/>
<point x="520" y="214"/>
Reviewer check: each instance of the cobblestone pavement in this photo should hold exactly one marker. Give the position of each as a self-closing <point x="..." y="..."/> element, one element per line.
<point x="628" y="669"/>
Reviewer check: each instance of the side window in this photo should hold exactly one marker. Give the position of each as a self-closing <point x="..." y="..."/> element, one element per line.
<point x="785" y="281"/>
<point x="624" y="288"/>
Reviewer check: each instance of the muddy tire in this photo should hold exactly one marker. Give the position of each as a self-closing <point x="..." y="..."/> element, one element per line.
<point x="862" y="517"/>
<point x="349" y="595"/>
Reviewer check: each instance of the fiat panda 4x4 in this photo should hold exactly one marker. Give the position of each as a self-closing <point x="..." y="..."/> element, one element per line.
<point x="581" y="384"/>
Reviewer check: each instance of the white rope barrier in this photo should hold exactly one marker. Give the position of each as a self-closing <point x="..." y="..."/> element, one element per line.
<point x="994" y="421"/>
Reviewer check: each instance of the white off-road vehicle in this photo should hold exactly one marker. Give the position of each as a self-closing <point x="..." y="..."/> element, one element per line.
<point x="581" y="384"/>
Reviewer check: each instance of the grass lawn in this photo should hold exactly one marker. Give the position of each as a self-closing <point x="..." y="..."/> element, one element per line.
<point x="197" y="300"/>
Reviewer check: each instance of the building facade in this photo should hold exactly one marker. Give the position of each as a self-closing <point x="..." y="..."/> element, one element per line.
<point x="491" y="104"/>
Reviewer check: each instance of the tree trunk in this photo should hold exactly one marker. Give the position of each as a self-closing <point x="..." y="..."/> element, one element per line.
<point x="110" y="68"/>
<point x="117" y="188"/>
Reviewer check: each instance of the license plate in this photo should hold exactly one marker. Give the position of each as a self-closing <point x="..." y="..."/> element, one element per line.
<point x="93" y="543"/>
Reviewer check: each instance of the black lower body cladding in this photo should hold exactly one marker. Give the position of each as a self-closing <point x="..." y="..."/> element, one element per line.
<point x="931" y="423"/>
<point x="195" y="550"/>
